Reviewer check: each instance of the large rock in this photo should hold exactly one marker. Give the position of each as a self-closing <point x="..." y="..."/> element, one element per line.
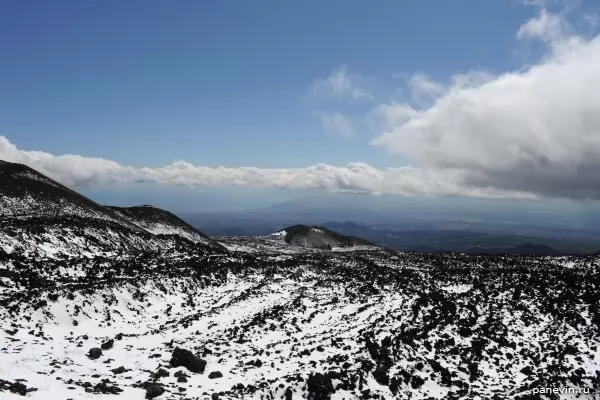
<point x="215" y="374"/>
<point x="153" y="391"/>
<point x="119" y="370"/>
<point x="95" y="353"/>
<point x="319" y="386"/>
<point x="185" y="358"/>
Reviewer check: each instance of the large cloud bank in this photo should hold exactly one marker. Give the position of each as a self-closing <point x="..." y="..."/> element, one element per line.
<point x="74" y="170"/>
<point x="535" y="130"/>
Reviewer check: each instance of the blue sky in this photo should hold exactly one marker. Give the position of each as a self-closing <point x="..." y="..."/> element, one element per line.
<point x="222" y="83"/>
<point x="252" y="84"/>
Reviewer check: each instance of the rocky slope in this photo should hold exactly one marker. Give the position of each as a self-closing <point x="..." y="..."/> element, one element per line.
<point x="162" y="223"/>
<point x="267" y="319"/>
<point x="41" y="217"/>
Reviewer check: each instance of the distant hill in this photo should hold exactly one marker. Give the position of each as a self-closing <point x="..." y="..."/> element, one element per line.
<point x="348" y="226"/>
<point x="522" y="249"/>
<point x="320" y="237"/>
<point x="531" y="248"/>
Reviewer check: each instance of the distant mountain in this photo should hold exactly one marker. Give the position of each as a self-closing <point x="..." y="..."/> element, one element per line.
<point x="353" y="229"/>
<point x="41" y="216"/>
<point x="348" y="225"/>
<point x="320" y="237"/>
<point x="531" y="248"/>
<point x="522" y="249"/>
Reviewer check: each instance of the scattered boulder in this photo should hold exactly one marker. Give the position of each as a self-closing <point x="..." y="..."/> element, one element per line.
<point x="320" y="387"/>
<point x="105" y="387"/>
<point x="527" y="370"/>
<point x="215" y="374"/>
<point x="119" y="370"/>
<point x="288" y="393"/>
<point x="185" y="358"/>
<point x="18" y="388"/>
<point x="180" y="374"/>
<point x="107" y="345"/>
<point x="95" y="353"/>
<point x="153" y="391"/>
<point x="381" y="376"/>
<point x="161" y="373"/>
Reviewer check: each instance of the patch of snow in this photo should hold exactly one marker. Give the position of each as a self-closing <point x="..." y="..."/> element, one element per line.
<point x="457" y="288"/>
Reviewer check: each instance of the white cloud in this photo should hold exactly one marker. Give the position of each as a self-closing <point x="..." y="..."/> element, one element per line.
<point x="424" y="88"/>
<point x="592" y="21"/>
<point x="341" y="83"/>
<point x="337" y="123"/>
<point x="535" y="130"/>
<point x="538" y="3"/>
<point x="392" y="114"/>
<point x="546" y="26"/>
<point x="471" y="79"/>
<point x="566" y="4"/>
<point x="74" y="171"/>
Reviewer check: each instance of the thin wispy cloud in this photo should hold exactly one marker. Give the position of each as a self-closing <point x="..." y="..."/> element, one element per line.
<point x="546" y="26"/>
<point x="338" y="124"/>
<point x="342" y="84"/>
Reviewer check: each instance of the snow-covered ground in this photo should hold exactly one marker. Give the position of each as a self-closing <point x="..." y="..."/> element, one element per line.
<point x="179" y="316"/>
<point x="286" y="325"/>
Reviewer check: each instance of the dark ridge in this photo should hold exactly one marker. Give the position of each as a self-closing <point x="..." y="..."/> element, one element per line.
<point x="20" y="181"/>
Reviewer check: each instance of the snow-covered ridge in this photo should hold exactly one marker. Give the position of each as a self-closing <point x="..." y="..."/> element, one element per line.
<point x="46" y="218"/>
<point x="161" y="222"/>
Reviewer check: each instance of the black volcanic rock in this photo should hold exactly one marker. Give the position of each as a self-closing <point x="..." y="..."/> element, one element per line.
<point x="18" y="388"/>
<point x="319" y="386"/>
<point x="185" y="358"/>
<point x="161" y="373"/>
<point x="95" y="353"/>
<point x="215" y="374"/>
<point x="153" y="391"/>
<point x="119" y="370"/>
